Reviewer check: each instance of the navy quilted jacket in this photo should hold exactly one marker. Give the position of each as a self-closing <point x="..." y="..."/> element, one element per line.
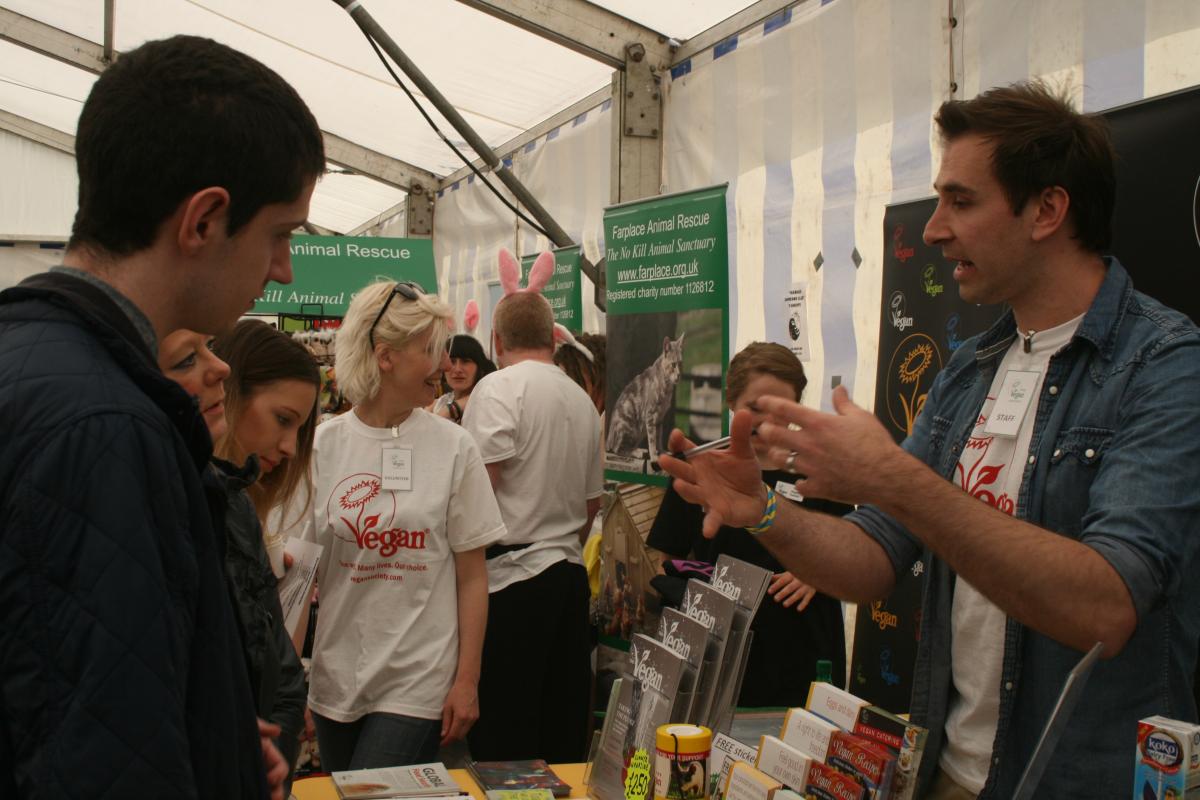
<point x="121" y="672"/>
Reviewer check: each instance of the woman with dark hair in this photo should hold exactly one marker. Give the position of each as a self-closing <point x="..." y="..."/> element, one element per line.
<point x="582" y="357"/>
<point x="468" y="365"/>
<point x="270" y="404"/>
<point x="189" y="359"/>
<point x="796" y="626"/>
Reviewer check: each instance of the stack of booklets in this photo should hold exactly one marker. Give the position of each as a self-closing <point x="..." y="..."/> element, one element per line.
<point x="747" y="585"/>
<point x="690" y="674"/>
<point x="417" y="780"/>
<point x="646" y="698"/>
<point x="840" y="747"/>
<point x="517" y="780"/>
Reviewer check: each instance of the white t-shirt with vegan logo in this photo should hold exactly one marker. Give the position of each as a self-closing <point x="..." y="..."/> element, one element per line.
<point x="991" y="468"/>
<point x="387" y="632"/>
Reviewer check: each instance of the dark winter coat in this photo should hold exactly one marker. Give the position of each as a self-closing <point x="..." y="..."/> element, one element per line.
<point x="276" y="677"/>
<point x="121" y="672"/>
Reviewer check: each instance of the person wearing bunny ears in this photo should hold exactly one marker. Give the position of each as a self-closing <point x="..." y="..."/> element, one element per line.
<point x="539" y="436"/>
<point x="582" y="358"/>
<point x="469" y="364"/>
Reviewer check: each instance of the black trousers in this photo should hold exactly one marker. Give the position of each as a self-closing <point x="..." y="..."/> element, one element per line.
<point x="535" y="684"/>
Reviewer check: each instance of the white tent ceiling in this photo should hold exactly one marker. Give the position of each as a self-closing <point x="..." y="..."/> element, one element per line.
<point x="502" y="79"/>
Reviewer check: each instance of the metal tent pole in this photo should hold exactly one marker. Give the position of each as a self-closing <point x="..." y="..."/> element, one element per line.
<point x="365" y="21"/>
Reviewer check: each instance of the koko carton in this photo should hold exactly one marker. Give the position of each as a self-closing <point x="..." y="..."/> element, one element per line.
<point x="1167" y="760"/>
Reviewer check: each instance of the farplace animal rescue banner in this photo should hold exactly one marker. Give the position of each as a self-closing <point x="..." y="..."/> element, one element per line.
<point x="564" y="292"/>
<point x="328" y="271"/>
<point x="668" y="338"/>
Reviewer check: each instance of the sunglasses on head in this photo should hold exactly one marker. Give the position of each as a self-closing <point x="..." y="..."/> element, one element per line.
<point x="406" y="289"/>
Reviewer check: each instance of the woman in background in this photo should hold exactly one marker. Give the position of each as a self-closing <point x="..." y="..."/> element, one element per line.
<point x="797" y="626"/>
<point x="582" y="357"/>
<point x="468" y="365"/>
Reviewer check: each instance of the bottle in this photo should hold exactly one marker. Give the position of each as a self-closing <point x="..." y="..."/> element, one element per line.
<point x="824" y="671"/>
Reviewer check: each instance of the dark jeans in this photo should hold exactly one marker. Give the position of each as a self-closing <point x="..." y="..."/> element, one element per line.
<point x="377" y="740"/>
<point x="535" y="685"/>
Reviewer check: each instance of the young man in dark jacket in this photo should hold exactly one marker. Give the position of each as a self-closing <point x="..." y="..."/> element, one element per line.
<point x="121" y="672"/>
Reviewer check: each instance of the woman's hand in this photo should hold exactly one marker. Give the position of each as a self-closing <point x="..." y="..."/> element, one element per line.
<point x="276" y="768"/>
<point x="309" y="734"/>
<point x="460" y="711"/>
<point x="789" y="590"/>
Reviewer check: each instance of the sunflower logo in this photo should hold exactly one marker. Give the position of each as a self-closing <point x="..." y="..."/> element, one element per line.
<point x="348" y="503"/>
<point x="360" y="494"/>
<point x="914" y="363"/>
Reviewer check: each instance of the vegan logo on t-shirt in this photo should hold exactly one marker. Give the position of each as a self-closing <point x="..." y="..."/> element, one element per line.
<point x="980" y="479"/>
<point x="347" y="509"/>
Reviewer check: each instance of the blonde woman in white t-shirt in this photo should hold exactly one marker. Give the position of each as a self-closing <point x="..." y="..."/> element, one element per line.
<point x="404" y="508"/>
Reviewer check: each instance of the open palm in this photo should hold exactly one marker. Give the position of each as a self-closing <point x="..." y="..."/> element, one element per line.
<point x="727" y="484"/>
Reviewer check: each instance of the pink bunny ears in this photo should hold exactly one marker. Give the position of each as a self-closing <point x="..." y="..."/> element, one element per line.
<point x="564" y="338"/>
<point x="539" y="276"/>
<point x="471" y="316"/>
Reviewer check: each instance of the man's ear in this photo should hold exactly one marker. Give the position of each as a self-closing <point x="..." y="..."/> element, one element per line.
<point x="203" y="216"/>
<point x="1050" y="214"/>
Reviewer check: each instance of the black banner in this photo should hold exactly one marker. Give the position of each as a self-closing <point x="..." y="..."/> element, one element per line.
<point x="1156" y="226"/>
<point x="922" y="321"/>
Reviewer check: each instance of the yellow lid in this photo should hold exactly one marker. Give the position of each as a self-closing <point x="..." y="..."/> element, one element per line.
<point x="692" y="738"/>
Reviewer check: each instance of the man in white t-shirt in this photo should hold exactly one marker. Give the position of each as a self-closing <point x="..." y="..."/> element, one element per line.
<point x="1073" y="420"/>
<point x="539" y="436"/>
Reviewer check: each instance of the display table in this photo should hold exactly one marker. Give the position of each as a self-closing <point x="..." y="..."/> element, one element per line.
<point x="323" y="789"/>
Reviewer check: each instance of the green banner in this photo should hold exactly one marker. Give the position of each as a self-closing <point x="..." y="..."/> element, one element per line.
<point x="667" y="321"/>
<point x="329" y="270"/>
<point x="565" y="290"/>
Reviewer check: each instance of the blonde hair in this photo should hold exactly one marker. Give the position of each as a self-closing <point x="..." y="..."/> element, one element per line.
<point x="357" y="366"/>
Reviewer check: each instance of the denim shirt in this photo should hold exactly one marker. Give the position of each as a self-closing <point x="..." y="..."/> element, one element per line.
<point x="1114" y="463"/>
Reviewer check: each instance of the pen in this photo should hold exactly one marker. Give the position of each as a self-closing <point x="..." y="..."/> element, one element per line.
<point x="715" y="444"/>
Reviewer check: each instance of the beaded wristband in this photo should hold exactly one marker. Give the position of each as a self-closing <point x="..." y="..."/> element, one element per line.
<point x="768" y="517"/>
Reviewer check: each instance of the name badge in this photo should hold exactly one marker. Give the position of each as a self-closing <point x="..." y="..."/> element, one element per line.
<point x="397" y="469"/>
<point x="1016" y="395"/>
<point x="788" y="490"/>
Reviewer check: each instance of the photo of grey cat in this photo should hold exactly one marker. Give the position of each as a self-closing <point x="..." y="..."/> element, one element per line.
<point x="636" y="418"/>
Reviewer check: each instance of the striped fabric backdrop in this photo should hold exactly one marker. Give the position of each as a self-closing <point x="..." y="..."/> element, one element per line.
<point x="568" y="171"/>
<point x="818" y="119"/>
<point x="821" y="117"/>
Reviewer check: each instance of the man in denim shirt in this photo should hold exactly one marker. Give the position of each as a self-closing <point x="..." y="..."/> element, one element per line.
<point x="1074" y="419"/>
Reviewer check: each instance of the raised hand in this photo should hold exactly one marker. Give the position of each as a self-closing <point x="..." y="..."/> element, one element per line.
<point x="846" y="456"/>
<point x="727" y="484"/>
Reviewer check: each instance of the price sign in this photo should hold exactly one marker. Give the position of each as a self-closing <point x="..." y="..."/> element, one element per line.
<point x="637" y="778"/>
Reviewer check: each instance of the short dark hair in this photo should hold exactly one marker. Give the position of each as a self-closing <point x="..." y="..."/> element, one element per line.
<point x="1040" y="141"/>
<point x="175" y="116"/>
<point x="463" y="345"/>
<point x="763" y="358"/>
